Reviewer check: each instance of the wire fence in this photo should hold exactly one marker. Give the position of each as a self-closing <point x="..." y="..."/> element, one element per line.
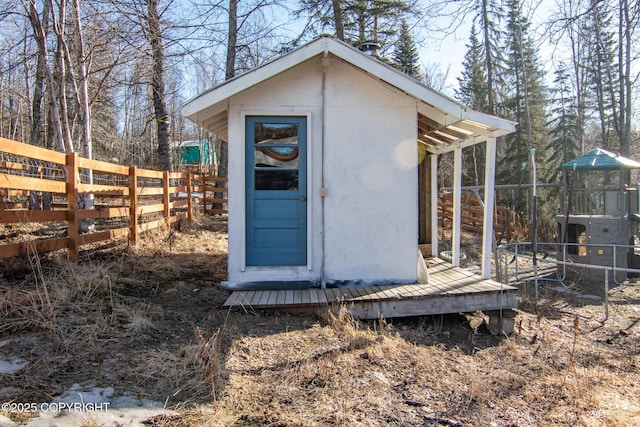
<point x="570" y="265"/>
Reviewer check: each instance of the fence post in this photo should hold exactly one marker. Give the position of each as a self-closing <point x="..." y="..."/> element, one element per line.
<point x="72" y="206"/>
<point x="606" y="294"/>
<point x="204" y="195"/>
<point x="167" y="210"/>
<point x="189" y="201"/>
<point x="133" y="204"/>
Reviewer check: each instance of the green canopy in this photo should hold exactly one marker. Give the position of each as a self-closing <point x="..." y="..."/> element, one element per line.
<point x="599" y="159"/>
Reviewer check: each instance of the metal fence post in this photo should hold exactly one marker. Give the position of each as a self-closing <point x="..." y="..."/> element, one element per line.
<point x="606" y="295"/>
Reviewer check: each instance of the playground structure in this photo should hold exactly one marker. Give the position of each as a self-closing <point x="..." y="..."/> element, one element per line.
<point x="601" y="217"/>
<point x="597" y="246"/>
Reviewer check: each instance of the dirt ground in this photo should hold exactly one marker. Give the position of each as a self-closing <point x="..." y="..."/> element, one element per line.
<point x="148" y="321"/>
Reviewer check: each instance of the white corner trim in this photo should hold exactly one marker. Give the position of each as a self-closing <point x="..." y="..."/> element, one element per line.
<point x="310" y="191"/>
<point x="243" y="192"/>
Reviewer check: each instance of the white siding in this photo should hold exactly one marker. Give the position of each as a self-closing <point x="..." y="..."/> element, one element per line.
<point x="371" y="179"/>
<point x="370" y="157"/>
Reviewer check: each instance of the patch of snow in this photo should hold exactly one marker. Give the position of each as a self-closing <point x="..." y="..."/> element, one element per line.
<point x="7" y="393"/>
<point x="6" y="422"/>
<point x="80" y="405"/>
<point x="12" y="365"/>
<point x="568" y="291"/>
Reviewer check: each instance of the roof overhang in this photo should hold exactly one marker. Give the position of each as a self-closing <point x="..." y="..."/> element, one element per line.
<point x="443" y="123"/>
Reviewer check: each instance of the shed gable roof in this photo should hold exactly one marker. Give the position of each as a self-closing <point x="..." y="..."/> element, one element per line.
<point x="443" y="123"/>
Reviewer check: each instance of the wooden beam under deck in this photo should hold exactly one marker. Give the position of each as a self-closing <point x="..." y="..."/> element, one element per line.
<point x="450" y="290"/>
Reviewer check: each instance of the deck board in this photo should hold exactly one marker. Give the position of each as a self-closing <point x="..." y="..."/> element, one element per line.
<point x="264" y="299"/>
<point x="231" y="301"/>
<point x="450" y="290"/>
<point x="305" y="298"/>
<point x="288" y="297"/>
<point x="272" y="299"/>
<point x="357" y="294"/>
<point x="297" y="297"/>
<point x="247" y="297"/>
<point x="280" y="298"/>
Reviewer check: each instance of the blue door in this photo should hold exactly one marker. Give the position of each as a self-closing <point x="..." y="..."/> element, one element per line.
<point x="276" y="195"/>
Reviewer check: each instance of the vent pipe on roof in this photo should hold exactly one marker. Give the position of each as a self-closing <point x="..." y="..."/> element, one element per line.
<point x="371" y="47"/>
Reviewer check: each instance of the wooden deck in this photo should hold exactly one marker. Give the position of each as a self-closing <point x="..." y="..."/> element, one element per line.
<point x="450" y="290"/>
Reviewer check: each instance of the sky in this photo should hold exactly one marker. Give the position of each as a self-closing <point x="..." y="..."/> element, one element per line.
<point x="448" y="52"/>
<point x="448" y="56"/>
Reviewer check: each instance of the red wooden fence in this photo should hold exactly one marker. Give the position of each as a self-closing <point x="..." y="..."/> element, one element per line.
<point x="473" y="214"/>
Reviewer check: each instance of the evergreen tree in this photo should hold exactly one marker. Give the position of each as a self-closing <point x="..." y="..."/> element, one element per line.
<point x="473" y="93"/>
<point x="489" y="16"/>
<point x="473" y="82"/>
<point x="481" y="83"/>
<point x="568" y="35"/>
<point x="356" y="21"/>
<point x="601" y="70"/>
<point x="376" y="20"/>
<point x="525" y="101"/>
<point x="564" y="124"/>
<point x="321" y="16"/>
<point x="406" y="56"/>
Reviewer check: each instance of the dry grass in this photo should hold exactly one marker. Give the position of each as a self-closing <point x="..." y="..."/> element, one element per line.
<point x="149" y="321"/>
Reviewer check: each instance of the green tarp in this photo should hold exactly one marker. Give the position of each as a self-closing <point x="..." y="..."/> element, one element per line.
<point x="190" y="152"/>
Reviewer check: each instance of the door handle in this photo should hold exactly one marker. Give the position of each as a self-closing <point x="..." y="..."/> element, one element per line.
<point x="303" y="198"/>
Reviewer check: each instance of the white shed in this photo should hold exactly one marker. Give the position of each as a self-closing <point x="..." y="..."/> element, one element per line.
<point x="332" y="167"/>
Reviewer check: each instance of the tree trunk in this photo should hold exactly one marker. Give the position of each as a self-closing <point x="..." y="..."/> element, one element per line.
<point x="157" y="84"/>
<point x="40" y="36"/>
<point x="232" y="41"/>
<point x="59" y="29"/>
<point x="85" y="112"/>
<point x="337" y="19"/>
<point x="83" y="85"/>
<point x="36" y="103"/>
<point x="223" y="159"/>
<point x="624" y="75"/>
<point x="488" y="57"/>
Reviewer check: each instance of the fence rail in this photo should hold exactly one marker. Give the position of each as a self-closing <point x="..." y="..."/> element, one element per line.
<point x="44" y="186"/>
<point x="473" y="214"/>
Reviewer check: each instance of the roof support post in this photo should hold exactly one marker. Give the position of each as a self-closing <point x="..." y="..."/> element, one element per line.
<point x="434" y="205"/>
<point x="456" y="227"/>
<point x="489" y="202"/>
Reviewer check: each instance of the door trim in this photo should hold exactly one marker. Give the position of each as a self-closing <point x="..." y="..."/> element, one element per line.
<point x="242" y="190"/>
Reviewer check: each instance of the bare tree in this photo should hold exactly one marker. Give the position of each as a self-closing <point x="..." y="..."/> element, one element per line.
<point x="601" y="34"/>
<point x="63" y="139"/>
<point x="59" y="28"/>
<point x="39" y="87"/>
<point x="567" y="25"/>
<point x="435" y="77"/>
<point x="82" y="91"/>
<point x="157" y="84"/>
<point x="232" y="40"/>
<point x="628" y="20"/>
